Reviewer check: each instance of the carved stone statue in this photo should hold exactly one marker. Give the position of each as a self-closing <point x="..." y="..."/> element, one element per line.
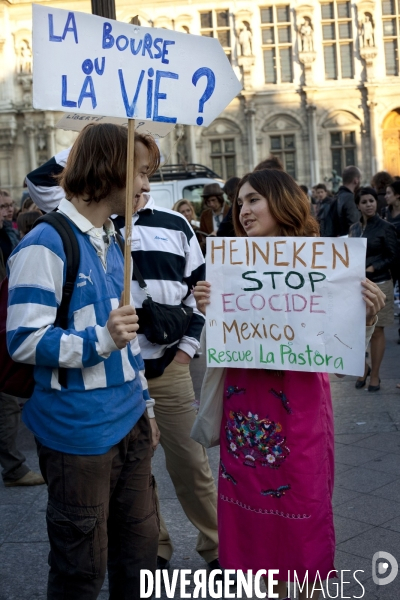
<point x="25" y="58"/>
<point x="306" y="35"/>
<point x="367" y="32"/>
<point x="335" y="180"/>
<point x="245" y="41"/>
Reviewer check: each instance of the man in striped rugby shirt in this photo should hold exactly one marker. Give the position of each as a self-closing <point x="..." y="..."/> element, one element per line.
<point x="169" y="258"/>
<point x="95" y="437"/>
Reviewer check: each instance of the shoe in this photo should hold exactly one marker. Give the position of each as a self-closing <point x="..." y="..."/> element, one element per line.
<point x="214" y="565"/>
<point x="31" y="478"/>
<point x="374" y="388"/>
<point x="162" y="563"/>
<point x="360" y="384"/>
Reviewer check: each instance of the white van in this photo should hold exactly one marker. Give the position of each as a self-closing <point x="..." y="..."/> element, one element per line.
<point x="174" y="182"/>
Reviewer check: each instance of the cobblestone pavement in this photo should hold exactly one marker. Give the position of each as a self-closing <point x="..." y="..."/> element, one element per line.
<point x="366" y="498"/>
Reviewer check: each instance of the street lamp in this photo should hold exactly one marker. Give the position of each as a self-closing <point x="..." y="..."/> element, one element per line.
<point x="104" y="8"/>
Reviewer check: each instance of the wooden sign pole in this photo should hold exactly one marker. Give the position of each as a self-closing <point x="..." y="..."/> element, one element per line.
<point x="130" y="166"/>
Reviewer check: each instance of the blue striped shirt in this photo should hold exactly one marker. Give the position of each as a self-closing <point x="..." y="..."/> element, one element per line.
<point x="107" y="390"/>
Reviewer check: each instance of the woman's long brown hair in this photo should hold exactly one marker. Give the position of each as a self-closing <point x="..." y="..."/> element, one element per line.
<point x="288" y="203"/>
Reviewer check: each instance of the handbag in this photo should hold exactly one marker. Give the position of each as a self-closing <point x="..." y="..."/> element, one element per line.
<point x="161" y="323"/>
<point x="207" y="426"/>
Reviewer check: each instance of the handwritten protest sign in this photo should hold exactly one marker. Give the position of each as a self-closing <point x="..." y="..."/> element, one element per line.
<point x="84" y="63"/>
<point x="286" y="304"/>
<point x="77" y="121"/>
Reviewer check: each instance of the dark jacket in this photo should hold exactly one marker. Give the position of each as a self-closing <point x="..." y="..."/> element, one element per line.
<point x="323" y="208"/>
<point x="348" y="212"/>
<point x="395" y="221"/>
<point x="382" y="204"/>
<point x="226" y="228"/>
<point x="3" y="272"/>
<point x="381" y="246"/>
<point x="8" y="239"/>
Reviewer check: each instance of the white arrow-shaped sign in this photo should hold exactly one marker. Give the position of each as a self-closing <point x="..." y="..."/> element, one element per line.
<point x="87" y="64"/>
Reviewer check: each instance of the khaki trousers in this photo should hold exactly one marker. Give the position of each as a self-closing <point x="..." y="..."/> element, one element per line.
<point x="186" y="460"/>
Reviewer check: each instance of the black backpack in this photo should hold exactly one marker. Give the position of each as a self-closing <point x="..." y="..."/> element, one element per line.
<point x="17" y="378"/>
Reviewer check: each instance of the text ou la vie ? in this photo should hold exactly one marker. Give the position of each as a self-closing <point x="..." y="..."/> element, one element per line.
<point x="155" y="49"/>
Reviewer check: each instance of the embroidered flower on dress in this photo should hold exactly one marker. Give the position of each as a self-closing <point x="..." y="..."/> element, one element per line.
<point x="234" y="389"/>
<point x="256" y="441"/>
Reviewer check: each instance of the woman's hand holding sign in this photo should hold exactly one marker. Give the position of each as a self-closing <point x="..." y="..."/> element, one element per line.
<point x="201" y="293"/>
<point x="374" y="299"/>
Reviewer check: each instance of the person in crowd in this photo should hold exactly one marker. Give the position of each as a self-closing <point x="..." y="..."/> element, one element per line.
<point x="215" y="208"/>
<point x="26" y="220"/>
<point x="171" y="262"/>
<point x="302" y="536"/>
<point x="380" y="182"/>
<point x="305" y="190"/>
<point x="272" y="162"/>
<point x="314" y="201"/>
<point x="347" y="212"/>
<point x="95" y="437"/>
<point x="8" y="235"/>
<point x="186" y="209"/>
<point x="226" y="228"/>
<point x="392" y="215"/>
<point x="28" y="205"/>
<point x="322" y="208"/>
<point x="381" y="252"/>
<point x="14" y="470"/>
<point x="9" y="206"/>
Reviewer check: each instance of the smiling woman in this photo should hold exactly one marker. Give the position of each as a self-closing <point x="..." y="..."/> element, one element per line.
<point x="276" y="432"/>
<point x="270" y="203"/>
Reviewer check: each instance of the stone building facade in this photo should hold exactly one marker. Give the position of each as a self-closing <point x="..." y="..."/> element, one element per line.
<point x="321" y="86"/>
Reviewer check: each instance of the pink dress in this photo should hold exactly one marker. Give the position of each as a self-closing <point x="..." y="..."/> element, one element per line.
<point x="276" y="473"/>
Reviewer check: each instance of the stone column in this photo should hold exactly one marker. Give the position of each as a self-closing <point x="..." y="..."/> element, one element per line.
<point x="30" y="130"/>
<point x="250" y="112"/>
<point x="104" y="8"/>
<point x="51" y="134"/>
<point x="173" y="152"/>
<point x="313" y="144"/>
<point x="191" y="130"/>
<point x="373" y="135"/>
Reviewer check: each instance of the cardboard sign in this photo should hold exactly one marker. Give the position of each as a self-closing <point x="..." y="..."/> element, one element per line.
<point x="77" y="121"/>
<point x="83" y="63"/>
<point x="286" y="304"/>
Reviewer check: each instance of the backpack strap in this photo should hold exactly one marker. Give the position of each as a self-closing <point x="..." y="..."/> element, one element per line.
<point x="72" y="253"/>
<point x="120" y="241"/>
